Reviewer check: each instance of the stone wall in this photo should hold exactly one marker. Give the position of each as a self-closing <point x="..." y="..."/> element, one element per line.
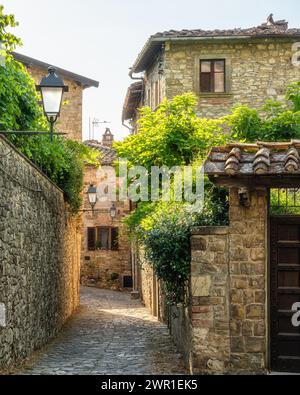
<point x="223" y="329"/>
<point x="248" y="282"/>
<point x="210" y="316"/>
<point x="70" y="120"/>
<point x="104" y="268"/>
<point x="229" y="291"/>
<point x="146" y="282"/>
<point x="39" y="258"/>
<point x="256" y="70"/>
<point x="179" y="320"/>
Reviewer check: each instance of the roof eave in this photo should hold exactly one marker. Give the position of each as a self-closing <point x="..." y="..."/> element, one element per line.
<point x="81" y="80"/>
<point x="141" y="61"/>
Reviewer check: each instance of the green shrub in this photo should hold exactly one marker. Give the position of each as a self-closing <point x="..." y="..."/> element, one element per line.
<point x="62" y="161"/>
<point x="164" y="230"/>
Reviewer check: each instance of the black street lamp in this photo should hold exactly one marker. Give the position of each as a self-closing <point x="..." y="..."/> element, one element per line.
<point x="52" y="89"/>
<point x="113" y="212"/>
<point x="92" y="196"/>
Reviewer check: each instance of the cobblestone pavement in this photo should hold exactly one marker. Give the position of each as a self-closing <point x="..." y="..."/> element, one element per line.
<point x="110" y="334"/>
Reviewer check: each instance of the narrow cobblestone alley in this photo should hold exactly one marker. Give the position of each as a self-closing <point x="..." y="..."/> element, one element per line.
<point x="111" y="334"/>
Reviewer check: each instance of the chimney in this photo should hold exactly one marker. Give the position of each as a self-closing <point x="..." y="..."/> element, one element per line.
<point x="108" y="138"/>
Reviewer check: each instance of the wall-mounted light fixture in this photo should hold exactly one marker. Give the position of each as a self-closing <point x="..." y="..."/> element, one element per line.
<point x="92" y="196"/>
<point x="113" y="211"/>
<point x="52" y="89"/>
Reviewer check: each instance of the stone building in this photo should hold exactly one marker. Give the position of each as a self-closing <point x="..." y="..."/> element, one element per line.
<point x="105" y="254"/>
<point x="245" y="277"/>
<point x="222" y="67"/>
<point x="70" y="120"/>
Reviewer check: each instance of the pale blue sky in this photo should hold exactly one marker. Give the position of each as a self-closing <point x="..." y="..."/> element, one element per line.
<point x="100" y="39"/>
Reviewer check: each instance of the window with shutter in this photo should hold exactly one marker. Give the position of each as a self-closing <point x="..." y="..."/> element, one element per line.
<point x="212" y="76"/>
<point x="91" y="239"/>
<point x="114" y="239"/>
<point x="104" y="238"/>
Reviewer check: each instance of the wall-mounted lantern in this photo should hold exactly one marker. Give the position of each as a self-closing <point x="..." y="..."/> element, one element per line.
<point x="52" y="89"/>
<point x="113" y="211"/>
<point x="92" y="196"/>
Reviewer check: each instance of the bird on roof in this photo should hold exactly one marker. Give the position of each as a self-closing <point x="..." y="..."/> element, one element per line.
<point x="270" y="20"/>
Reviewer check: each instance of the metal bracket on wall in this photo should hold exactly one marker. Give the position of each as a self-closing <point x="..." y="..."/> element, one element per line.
<point x="244" y="197"/>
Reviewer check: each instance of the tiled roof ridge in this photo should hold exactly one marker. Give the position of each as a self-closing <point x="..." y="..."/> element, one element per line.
<point x="263" y="29"/>
<point x="261" y="158"/>
<point x="280" y="146"/>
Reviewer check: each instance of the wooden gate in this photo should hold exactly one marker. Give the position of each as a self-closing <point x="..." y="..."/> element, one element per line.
<point x="285" y="292"/>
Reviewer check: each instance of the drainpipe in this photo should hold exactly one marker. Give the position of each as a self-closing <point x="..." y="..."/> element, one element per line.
<point x="127" y="127"/>
<point x="131" y="72"/>
<point x="143" y="96"/>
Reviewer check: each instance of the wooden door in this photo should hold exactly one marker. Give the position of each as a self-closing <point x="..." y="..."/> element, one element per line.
<point x="285" y="292"/>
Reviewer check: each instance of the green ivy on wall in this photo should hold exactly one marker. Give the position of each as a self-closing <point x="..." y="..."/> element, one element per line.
<point x="62" y="161"/>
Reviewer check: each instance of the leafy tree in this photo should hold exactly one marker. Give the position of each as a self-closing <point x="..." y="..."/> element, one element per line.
<point x="275" y="121"/>
<point x="62" y="161"/>
<point x="293" y="95"/>
<point x="19" y="108"/>
<point x="9" y="40"/>
<point x="174" y="136"/>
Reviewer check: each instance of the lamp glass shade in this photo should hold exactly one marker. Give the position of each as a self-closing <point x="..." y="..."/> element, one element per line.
<point x="52" y="98"/>
<point x="113" y="211"/>
<point x="92" y="195"/>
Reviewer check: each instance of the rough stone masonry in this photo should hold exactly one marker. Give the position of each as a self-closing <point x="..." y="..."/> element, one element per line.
<point x="39" y="258"/>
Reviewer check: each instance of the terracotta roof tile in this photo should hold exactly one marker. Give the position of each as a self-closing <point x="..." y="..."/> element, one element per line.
<point x="108" y="155"/>
<point x="262" y="158"/>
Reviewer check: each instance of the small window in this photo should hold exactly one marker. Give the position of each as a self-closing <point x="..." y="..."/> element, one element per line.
<point x="212" y="76"/>
<point x="103" y="238"/>
<point x="285" y="201"/>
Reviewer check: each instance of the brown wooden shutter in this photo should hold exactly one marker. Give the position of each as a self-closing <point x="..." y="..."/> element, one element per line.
<point x="115" y="239"/>
<point x="91" y="239"/>
<point x="205" y="82"/>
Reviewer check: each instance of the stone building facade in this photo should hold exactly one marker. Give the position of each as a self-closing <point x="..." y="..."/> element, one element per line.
<point x="106" y="251"/>
<point x="258" y="64"/>
<point x="70" y="121"/>
<point x="39" y="258"/>
<point x="234" y="323"/>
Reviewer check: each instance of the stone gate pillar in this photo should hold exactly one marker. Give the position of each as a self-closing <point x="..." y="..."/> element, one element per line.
<point x="229" y="290"/>
<point x="248" y="282"/>
<point x="210" y="315"/>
